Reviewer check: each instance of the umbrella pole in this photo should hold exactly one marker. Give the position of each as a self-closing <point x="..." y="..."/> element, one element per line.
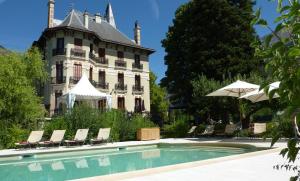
<point x="240" y="112"/>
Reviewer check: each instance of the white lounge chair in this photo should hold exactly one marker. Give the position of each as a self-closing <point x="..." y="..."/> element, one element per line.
<point x="209" y="130"/>
<point x="56" y="138"/>
<point x="103" y="136"/>
<point x="192" y="131"/>
<point x="33" y="139"/>
<point x="79" y="138"/>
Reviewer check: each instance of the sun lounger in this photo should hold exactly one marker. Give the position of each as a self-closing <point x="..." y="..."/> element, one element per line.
<point x="103" y="136"/>
<point x="56" y="138"/>
<point x="33" y="139"/>
<point x="79" y="138"/>
<point x="209" y="130"/>
<point x="258" y="128"/>
<point x="192" y="131"/>
<point x="229" y="130"/>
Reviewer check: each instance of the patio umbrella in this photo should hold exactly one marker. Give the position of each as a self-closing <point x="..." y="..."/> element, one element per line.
<point x="236" y="89"/>
<point x="260" y="95"/>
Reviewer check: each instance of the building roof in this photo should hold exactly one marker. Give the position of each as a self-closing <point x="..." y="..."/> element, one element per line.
<point x="104" y="30"/>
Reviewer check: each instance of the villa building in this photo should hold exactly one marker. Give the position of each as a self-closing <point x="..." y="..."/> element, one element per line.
<point x="92" y="45"/>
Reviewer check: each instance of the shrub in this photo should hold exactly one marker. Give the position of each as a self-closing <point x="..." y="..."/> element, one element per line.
<point x="178" y="129"/>
<point x="10" y="135"/>
<point x="123" y="127"/>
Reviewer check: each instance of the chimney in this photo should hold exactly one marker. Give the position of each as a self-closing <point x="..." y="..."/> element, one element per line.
<point x="137" y="33"/>
<point x="86" y="19"/>
<point x="50" y="13"/>
<point x="97" y="18"/>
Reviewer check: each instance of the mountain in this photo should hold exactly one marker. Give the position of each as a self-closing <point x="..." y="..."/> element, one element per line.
<point x="3" y="50"/>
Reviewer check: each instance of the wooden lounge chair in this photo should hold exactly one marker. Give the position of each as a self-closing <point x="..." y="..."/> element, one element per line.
<point x="79" y="138"/>
<point x="209" y="130"/>
<point x="103" y="136"/>
<point x="56" y="138"/>
<point x="257" y="128"/>
<point x="32" y="141"/>
<point x="192" y="131"/>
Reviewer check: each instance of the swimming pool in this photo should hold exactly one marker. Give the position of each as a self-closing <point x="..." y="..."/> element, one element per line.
<point x="75" y="165"/>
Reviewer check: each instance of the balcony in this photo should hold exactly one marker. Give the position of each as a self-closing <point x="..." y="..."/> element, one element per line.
<point x="137" y="89"/>
<point x="78" y="53"/>
<point x="100" y="60"/>
<point x="58" y="80"/>
<point x="137" y="66"/>
<point x="74" y="80"/>
<point x="120" y="64"/>
<point x="101" y="85"/>
<point x="121" y="88"/>
<point x="59" y="51"/>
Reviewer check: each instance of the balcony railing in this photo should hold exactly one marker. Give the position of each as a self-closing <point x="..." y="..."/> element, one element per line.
<point x="101" y="60"/>
<point x="137" y="89"/>
<point x="101" y="85"/>
<point x="137" y="66"/>
<point x="58" y="80"/>
<point x="74" y="80"/>
<point x="120" y="64"/>
<point x="78" y="53"/>
<point x="59" y="51"/>
<point x="121" y="88"/>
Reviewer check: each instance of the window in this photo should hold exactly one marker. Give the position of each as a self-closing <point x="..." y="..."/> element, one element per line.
<point x="121" y="103"/>
<point x="120" y="55"/>
<point x="57" y="95"/>
<point x="101" y="52"/>
<point x="102" y="104"/>
<point x="121" y="79"/>
<point x="77" y="71"/>
<point x="91" y="48"/>
<point x="91" y="74"/>
<point x="60" y="43"/>
<point x="59" y="73"/>
<point x="138" y="105"/>
<point x="102" y="77"/>
<point x="138" y="81"/>
<point x="78" y="43"/>
<point x="137" y="59"/>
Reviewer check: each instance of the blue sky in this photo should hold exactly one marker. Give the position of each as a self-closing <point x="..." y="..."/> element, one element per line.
<point x="23" y="21"/>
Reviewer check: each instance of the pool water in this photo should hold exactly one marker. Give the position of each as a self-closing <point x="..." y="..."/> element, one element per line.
<point x="74" y="165"/>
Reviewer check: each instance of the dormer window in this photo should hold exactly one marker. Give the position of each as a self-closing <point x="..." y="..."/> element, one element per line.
<point x="120" y="55"/>
<point x="78" y="43"/>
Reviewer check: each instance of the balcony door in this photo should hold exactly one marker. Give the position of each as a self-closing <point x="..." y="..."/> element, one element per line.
<point x="121" y="79"/>
<point x="91" y="74"/>
<point x="138" y="105"/>
<point x="102" y="77"/>
<point x="121" y="103"/>
<point x="137" y="60"/>
<point x="101" y="52"/>
<point x="60" y="45"/>
<point x="137" y="81"/>
<point x="59" y="73"/>
<point x="77" y="71"/>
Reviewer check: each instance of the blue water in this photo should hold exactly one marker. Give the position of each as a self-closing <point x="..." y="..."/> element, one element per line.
<point x="88" y="164"/>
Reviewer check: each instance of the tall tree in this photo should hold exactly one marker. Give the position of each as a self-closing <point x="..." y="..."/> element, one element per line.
<point x="159" y="103"/>
<point x="211" y="38"/>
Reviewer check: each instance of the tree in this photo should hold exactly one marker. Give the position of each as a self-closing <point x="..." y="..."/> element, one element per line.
<point x="226" y="108"/>
<point x="281" y="54"/>
<point x="211" y="38"/>
<point x="19" y="103"/>
<point x="158" y="98"/>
